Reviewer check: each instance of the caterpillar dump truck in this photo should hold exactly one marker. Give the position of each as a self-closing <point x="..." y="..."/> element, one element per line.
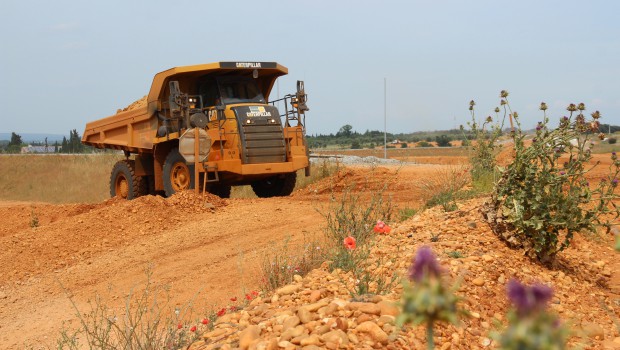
<point x="210" y="127"/>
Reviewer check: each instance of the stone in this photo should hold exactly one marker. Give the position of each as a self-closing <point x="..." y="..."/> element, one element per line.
<point x="367" y="308"/>
<point x="297" y="278"/>
<point x="501" y="279"/>
<point x="248" y="336"/>
<point x="484" y="341"/>
<point x="472" y="224"/>
<point x="375" y="332"/>
<point x="610" y="345"/>
<point x="446" y="346"/>
<point x="304" y="315"/>
<point x="487" y="258"/>
<point x="288" y="289"/>
<point x="292" y="333"/>
<point x="593" y="330"/>
<point x="315" y="295"/>
<point x="388" y="308"/>
<point x="336" y="336"/>
<point x="290" y="322"/>
<point x="310" y="340"/>
<point x="478" y="281"/>
<point x="606" y="272"/>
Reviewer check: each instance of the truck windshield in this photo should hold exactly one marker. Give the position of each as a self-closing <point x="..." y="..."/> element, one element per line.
<point x="240" y="90"/>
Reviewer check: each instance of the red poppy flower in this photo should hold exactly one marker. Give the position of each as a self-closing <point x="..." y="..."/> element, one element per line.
<point x="179" y="326"/>
<point x="233" y="299"/>
<point x="221" y="312"/>
<point x="193" y="329"/>
<point x="349" y="243"/>
<point x="382" y="227"/>
<point x="205" y="321"/>
<point x="254" y="293"/>
<point x="248" y="297"/>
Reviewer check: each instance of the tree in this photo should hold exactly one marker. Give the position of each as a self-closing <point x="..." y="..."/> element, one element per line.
<point x="345" y="130"/>
<point x="16" y="140"/>
<point x="443" y="141"/>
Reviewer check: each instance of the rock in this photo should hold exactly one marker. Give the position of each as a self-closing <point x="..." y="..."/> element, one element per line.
<point x="375" y="332"/>
<point x="593" y="330"/>
<point x="288" y="289"/>
<point x="487" y="258"/>
<point x="606" y="272"/>
<point x="388" y="308"/>
<point x="484" y="341"/>
<point x="290" y="322"/>
<point x="292" y="333"/>
<point x="284" y="343"/>
<point x="610" y="345"/>
<point x="367" y="308"/>
<point x="315" y="295"/>
<point x="310" y="340"/>
<point x="472" y="225"/>
<point x="298" y="278"/>
<point x="304" y="315"/>
<point x="336" y="336"/>
<point x="446" y="346"/>
<point x="479" y="281"/>
<point x="501" y="279"/>
<point x="3" y="295"/>
<point x="248" y="336"/>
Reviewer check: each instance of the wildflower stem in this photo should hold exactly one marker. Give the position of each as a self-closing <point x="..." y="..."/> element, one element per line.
<point x="429" y="336"/>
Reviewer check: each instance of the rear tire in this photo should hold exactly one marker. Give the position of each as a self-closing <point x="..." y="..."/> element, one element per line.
<point x="124" y="183"/>
<point x="275" y="186"/>
<point x="178" y="176"/>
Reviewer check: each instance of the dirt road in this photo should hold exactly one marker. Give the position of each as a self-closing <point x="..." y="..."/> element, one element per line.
<point x="105" y="248"/>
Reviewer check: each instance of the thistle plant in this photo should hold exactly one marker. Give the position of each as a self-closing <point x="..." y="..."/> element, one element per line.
<point x="543" y="197"/>
<point x="427" y="300"/>
<point x="485" y="149"/>
<point x="530" y="325"/>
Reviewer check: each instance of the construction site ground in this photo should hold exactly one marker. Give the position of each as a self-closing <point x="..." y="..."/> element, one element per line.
<point x="213" y="253"/>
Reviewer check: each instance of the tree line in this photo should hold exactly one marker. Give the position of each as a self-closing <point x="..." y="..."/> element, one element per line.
<point x="72" y="144"/>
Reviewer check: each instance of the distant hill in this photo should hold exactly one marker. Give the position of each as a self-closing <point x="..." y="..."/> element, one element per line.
<point x="33" y="137"/>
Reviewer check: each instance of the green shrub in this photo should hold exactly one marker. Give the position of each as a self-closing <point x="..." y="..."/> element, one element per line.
<point x="424" y="144"/>
<point x="543" y="197"/>
<point x="612" y="140"/>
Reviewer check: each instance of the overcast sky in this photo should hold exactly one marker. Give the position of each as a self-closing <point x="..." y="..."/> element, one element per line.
<point x="66" y="62"/>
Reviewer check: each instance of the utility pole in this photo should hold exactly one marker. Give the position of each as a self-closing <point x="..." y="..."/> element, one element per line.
<point x="385" y="118"/>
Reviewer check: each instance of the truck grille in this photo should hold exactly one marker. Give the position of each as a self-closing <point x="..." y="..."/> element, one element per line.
<point x="262" y="141"/>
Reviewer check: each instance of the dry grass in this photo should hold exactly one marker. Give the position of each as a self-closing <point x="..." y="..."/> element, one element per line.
<point x="84" y="178"/>
<point x="80" y="178"/>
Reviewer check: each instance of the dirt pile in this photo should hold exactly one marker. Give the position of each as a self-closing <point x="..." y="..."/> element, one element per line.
<point x="134" y="105"/>
<point x="317" y="311"/>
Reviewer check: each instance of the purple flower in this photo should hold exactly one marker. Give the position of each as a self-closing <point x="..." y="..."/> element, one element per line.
<point x="528" y="299"/>
<point x="562" y="173"/>
<point x="614" y="182"/>
<point x="424" y="265"/>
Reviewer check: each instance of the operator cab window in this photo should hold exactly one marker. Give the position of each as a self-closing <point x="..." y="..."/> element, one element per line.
<point x="209" y="92"/>
<point x="239" y="90"/>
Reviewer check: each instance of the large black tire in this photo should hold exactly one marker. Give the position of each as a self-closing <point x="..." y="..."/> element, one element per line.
<point x="276" y="186"/>
<point x="124" y="183"/>
<point x="178" y="176"/>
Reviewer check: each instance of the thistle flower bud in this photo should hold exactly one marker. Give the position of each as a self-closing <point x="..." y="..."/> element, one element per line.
<point x="596" y="115"/>
<point x="581" y="106"/>
<point x="489" y="119"/>
<point x="424" y="265"/>
<point x="543" y="106"/>
<point x="601" y="136"/>
<point x="528" y="299"/>
<point x="539" y="126"/>
<point x="594" y="126"/>
<point x="496" y="109"/>
<point x="502" y="102"/>
<point x="571" y="107"/>
<point x="503" y="94"/>
<point x="472" y="103"/>
<point x="614" y="156"/>
<point x="515" y="114"/>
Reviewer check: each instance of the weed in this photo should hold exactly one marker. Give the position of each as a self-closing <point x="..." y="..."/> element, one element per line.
<point x="406" y="213"/>
<point x="34" y="218"/>
<point x="280" y="265"/>
<point x="148" y="321"/>
<point x="543" y="197"/>
<point x="455" y="254"/>
<point x="435" y="237"/>
<point x="443" y="186"/>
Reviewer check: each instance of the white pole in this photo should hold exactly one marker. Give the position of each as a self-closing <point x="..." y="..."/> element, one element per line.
<point x="385" y="118"/>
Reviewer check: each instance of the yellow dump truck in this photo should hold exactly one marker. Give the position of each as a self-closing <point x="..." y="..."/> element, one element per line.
<point x="208" y="126"/>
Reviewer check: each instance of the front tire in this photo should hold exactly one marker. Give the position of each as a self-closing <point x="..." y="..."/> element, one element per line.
<point x="123" y="181"/>
<point x="178" y="176"/>
<point x="275" y="186"/>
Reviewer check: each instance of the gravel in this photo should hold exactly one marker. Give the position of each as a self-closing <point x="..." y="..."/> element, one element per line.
<point x="354" y="160"/>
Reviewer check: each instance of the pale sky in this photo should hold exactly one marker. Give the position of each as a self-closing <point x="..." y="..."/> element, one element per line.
<point x="66" y="62"/>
